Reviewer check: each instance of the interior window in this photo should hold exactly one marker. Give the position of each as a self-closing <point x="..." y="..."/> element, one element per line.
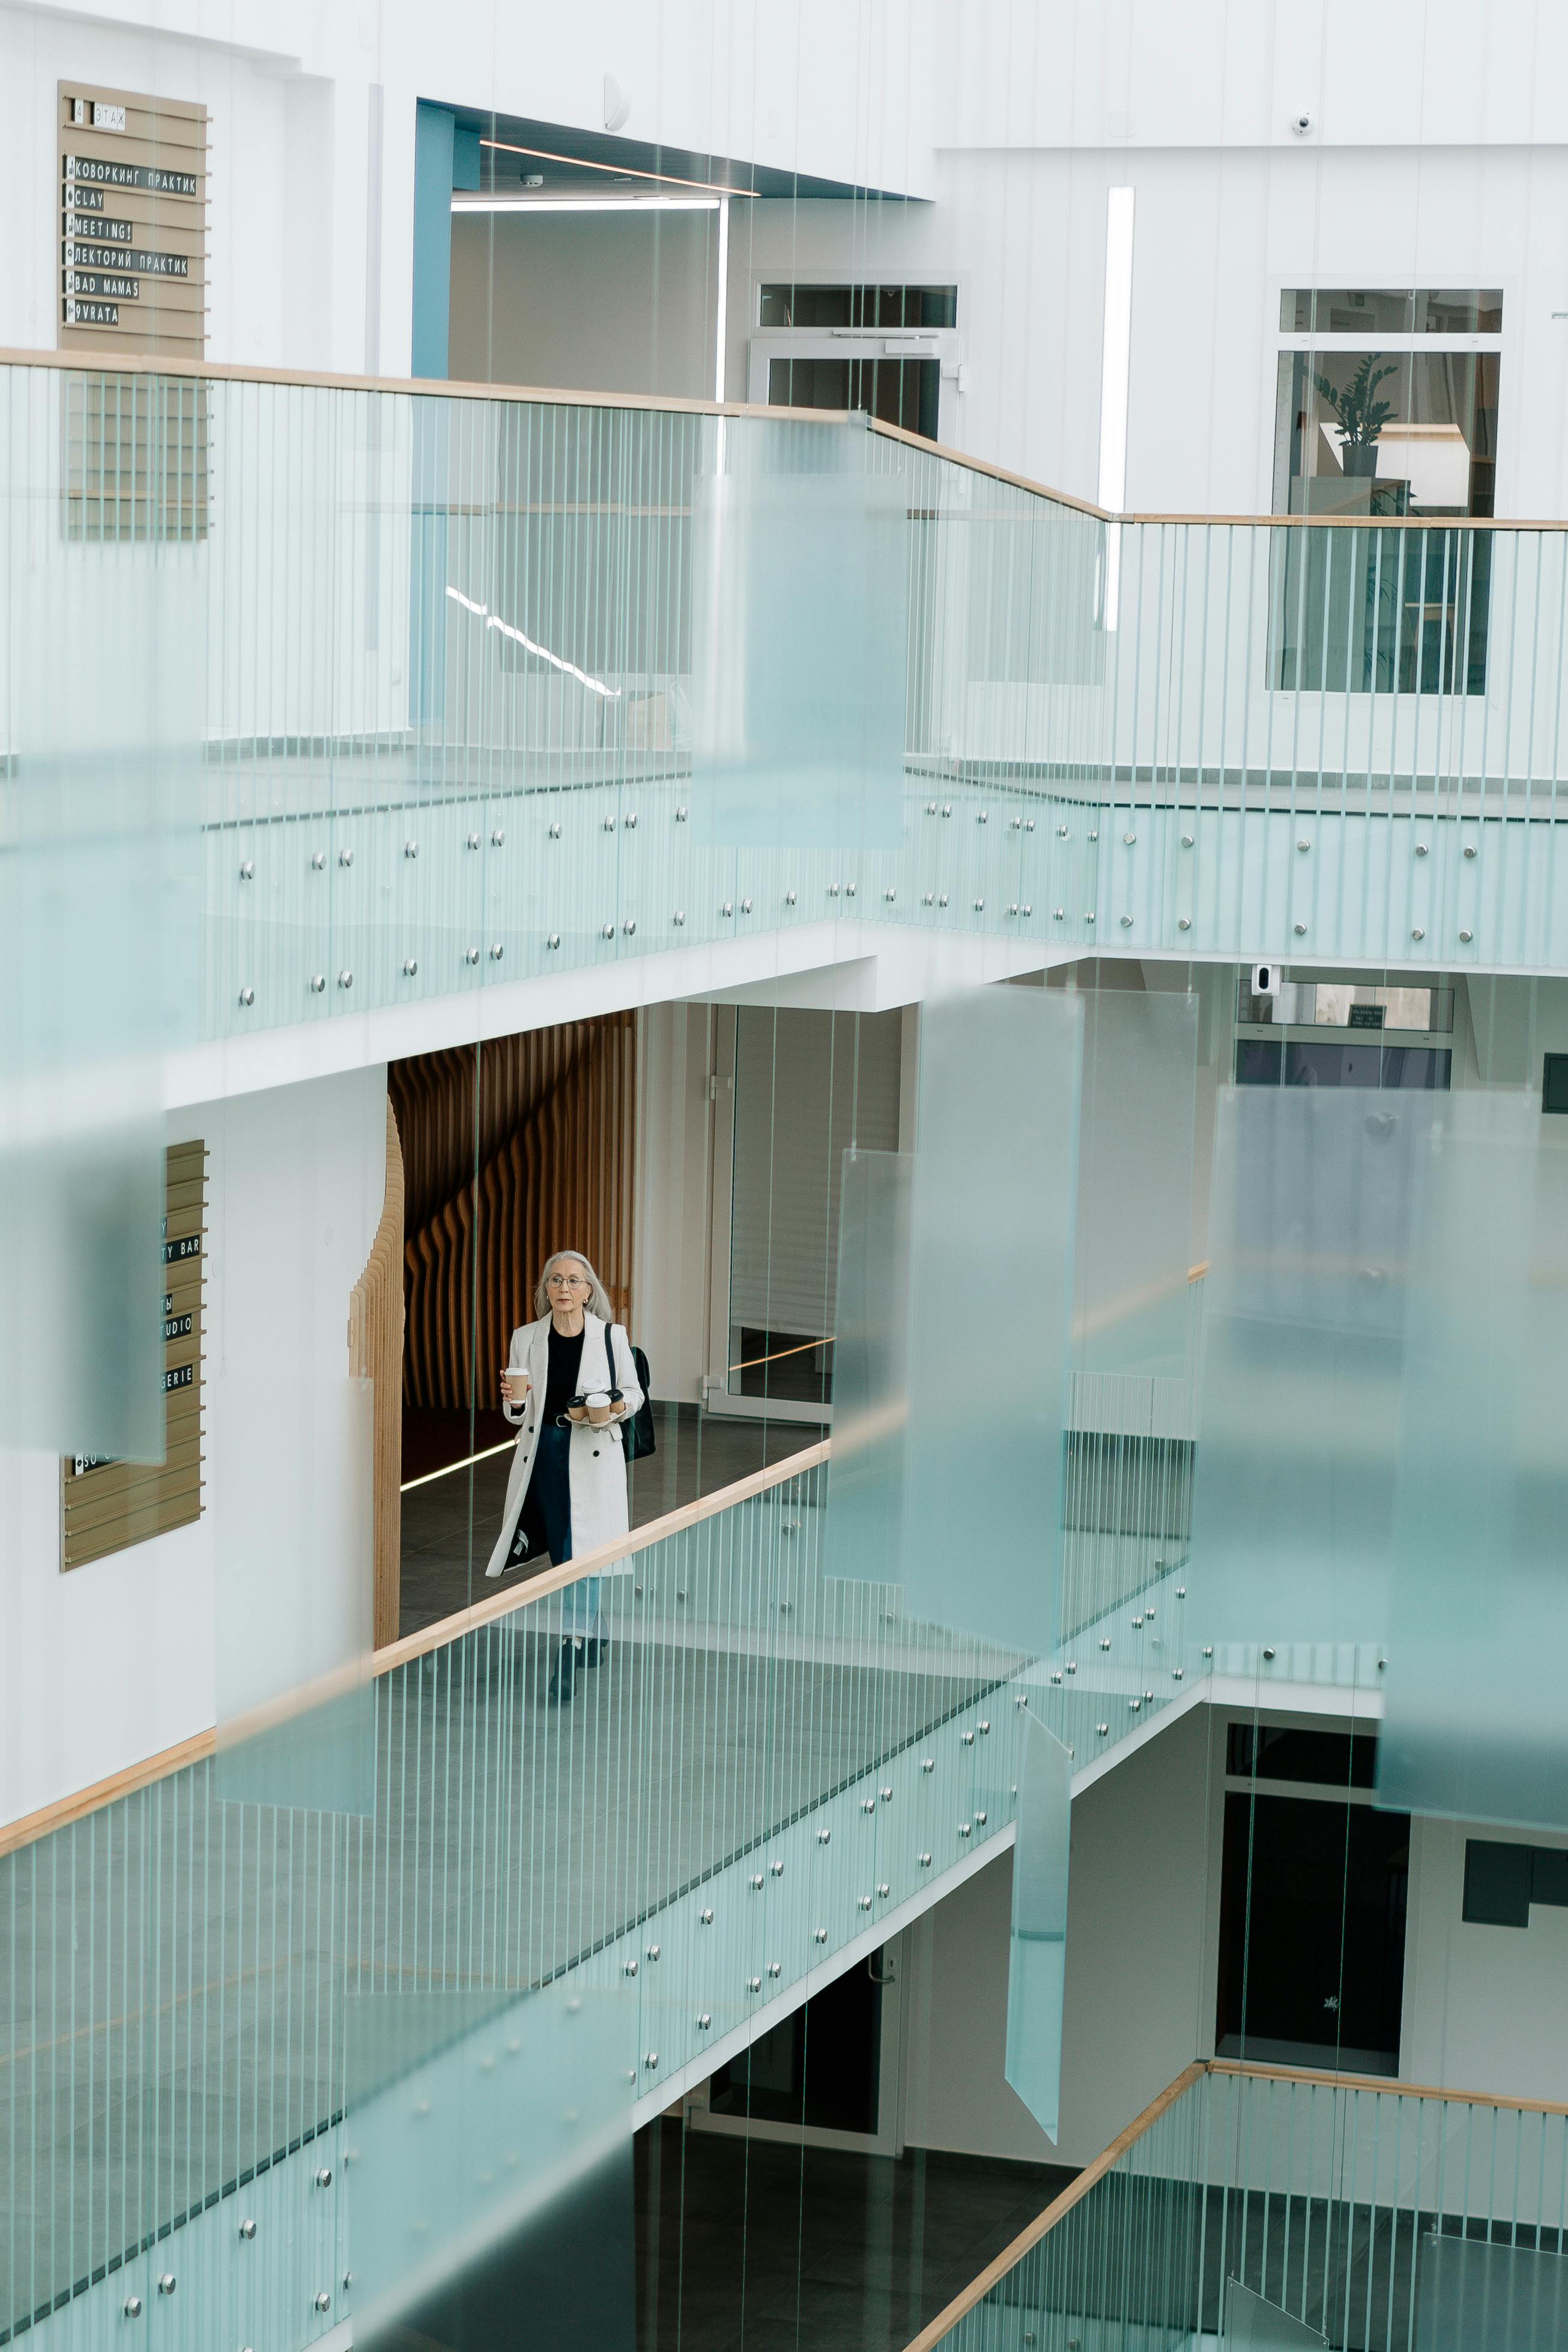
<point x="891" y="307"/>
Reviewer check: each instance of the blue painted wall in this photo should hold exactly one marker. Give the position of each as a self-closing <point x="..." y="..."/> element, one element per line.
<point x="435" y="137"/>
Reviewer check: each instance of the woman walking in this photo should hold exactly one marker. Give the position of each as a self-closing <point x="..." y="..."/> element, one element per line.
<point x="567" y="1491"/>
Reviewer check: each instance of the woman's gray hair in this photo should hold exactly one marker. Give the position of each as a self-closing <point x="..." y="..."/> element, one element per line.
<point x="598" y="1298"/>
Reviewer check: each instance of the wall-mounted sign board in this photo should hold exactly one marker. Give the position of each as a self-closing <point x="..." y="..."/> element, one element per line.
<point x="132" y="276"/>
<point x="132" y="222"/>
<point x="106" y="1506"/>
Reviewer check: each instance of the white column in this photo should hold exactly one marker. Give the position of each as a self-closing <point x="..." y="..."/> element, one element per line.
<point x="1115" y="365"/>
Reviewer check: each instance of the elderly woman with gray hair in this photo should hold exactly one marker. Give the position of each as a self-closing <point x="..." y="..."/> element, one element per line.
<point x="570" y="1381"/>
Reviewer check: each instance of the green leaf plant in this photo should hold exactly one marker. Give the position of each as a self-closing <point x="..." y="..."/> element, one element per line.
<point x="1361" y="416"/>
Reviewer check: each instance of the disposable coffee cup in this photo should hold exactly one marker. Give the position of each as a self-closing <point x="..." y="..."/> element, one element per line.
<point x="597" y="1408"/>
<point x="515" y="1373"/>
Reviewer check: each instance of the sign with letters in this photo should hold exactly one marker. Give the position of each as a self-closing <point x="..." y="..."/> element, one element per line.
<point x="133" y="221"/>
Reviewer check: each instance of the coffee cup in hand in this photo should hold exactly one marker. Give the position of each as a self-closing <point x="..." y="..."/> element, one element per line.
<point x="597" y="1408"/>
<point x="515" y="1383"/>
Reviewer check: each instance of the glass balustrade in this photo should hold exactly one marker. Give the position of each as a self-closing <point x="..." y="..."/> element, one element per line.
<point x="1250" y="2209"/>
<point x="453" y="708"/>
<point x="209" y="1999"/>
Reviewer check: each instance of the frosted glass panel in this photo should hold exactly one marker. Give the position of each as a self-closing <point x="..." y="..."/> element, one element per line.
<point x="1135" y="1183"/>
<point x="102" y="637"/>
<point x="475" y="2124"/>
<point x="990" y="1286"/>
<point x="316" y="1756"/>
<point x="864" y="1533"/>
<point x="1470" y="2294"/>
<point x="1475" y="1721"/>
<point x="1037" y="1957"/>
<point x="1252" y="2324"/>
<point x="1303" y="1350"/>
<point x="798" y="660"/>
<point x="302" y="1175"/>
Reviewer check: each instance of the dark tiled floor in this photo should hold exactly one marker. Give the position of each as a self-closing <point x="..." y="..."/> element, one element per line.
<point x="450" y="1523"/>
<point x="746" y="2246"/>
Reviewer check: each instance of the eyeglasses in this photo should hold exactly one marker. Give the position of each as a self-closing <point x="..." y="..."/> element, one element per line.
<point x="566" y="1282"/>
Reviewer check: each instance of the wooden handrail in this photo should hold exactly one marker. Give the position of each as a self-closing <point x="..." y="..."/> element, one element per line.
<point x="594" y="1563"/>
<point x="1320" y="2079"/>
<point x="30" y="1827"/>
<point x="977" y="2289"/>
<point x="933" y="2333"/>
<point x="113" y="362"/>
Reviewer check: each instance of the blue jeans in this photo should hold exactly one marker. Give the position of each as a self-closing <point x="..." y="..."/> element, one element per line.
<point x="547" y="1517"/>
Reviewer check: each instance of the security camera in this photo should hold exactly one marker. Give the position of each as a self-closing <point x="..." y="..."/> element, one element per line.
<point x="1265" y="978"/>
<point x="1302" y="124"/>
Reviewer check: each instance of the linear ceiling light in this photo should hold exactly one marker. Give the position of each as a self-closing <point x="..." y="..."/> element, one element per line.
<point x="587" y="204"/>
<point x="483" y="613"/>
<point x="616" y="171"/>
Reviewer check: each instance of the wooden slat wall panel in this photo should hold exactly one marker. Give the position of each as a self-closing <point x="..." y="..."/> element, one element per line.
<point x="511" y="1149"/>
<point x="375" y="1353"/>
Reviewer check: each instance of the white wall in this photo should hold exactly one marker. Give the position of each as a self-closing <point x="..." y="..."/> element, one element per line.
<point x="1429" y="162"/>
<point x="120" y="1660"/>
<point x="1219" y="231"/>
<point x="626" y="303"/>
<point x="1483" y="2006"/>
<point x="311" y="242"/>
<point x="1138" y="2002"/>
<point x="289" y="109"/>
<point x="954" y="2019"/>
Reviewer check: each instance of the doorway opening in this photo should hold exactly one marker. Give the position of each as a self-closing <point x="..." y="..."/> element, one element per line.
<point x="1312" y="1904"/>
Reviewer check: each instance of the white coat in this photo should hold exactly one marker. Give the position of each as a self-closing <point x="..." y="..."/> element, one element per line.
<point x="596" y="1464"/>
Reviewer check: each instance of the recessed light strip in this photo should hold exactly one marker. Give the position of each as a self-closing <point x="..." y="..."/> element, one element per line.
<point x="535" y="204"/>
<point x="616" y="171"/>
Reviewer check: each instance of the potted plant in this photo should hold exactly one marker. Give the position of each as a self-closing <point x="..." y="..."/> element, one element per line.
<point x="1361" y="416"/>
